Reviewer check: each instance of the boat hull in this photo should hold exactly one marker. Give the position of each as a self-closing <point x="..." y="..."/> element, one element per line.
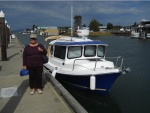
<point x="134" y="35"/>
<point x="103" y="82"/>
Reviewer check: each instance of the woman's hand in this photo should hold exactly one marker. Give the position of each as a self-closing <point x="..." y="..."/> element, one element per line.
<point x="24" y="67"/>
<point x="40" y="49"/>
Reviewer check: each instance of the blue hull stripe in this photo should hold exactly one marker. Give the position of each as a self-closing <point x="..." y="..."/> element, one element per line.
<point x="103" y="82"/>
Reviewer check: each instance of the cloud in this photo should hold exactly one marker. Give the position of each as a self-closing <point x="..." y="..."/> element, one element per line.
<point x="23" y="8"/>
<point x="57" y="13"/>
<point x="29" y="12"/>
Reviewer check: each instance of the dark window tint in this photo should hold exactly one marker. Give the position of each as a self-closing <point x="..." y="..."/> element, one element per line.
<point x="60" y="52"/>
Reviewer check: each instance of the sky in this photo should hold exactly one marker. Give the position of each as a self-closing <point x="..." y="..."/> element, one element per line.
<point x="25" y="14"/>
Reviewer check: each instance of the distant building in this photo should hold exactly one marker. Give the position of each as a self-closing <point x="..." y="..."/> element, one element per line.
<point x="102" y="28"/>
<point x="48" y="27"/>
<point x="42" y="28"/>
<point x="50" y="30"/>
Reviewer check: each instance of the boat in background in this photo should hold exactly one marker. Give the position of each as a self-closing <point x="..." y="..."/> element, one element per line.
<point x="135" y="32"/>
<point x="81" y="63"/>
<point x="142" y="31"/>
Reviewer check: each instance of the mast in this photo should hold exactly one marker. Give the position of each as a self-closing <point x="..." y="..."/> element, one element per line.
<point x="71" y="20"/>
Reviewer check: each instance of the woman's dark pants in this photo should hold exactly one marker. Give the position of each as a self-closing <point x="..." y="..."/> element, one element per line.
<point x="35" y="77"/>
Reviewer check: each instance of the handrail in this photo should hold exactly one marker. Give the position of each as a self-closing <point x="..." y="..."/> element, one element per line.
<point x="118" y="59"/>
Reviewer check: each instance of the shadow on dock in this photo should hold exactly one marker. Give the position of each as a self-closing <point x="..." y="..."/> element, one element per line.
<point x="13" y="102"/>
<point x="13" y="56"/>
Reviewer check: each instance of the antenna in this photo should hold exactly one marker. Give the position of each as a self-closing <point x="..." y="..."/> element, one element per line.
<point x="71" y="20"/>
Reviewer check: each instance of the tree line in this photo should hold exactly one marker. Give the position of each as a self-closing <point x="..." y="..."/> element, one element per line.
<point x="94" y="24"/>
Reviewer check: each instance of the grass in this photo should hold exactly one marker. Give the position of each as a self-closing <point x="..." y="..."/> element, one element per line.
<point x="100" y="34"/>
<point x="94" y="34"/>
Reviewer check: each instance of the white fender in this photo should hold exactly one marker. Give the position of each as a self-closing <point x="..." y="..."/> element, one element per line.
<point x="54" y="72"/>
<point x="92" y="82"/>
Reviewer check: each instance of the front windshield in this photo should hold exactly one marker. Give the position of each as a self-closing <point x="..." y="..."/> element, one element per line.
<point x="74" y="52"/>
<point x="90" y="51"/>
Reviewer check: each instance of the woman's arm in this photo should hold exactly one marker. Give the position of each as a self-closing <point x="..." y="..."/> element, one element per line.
<point x="42" y="49"/>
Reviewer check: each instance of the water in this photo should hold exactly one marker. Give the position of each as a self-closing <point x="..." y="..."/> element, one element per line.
<point x="131" y="92"/>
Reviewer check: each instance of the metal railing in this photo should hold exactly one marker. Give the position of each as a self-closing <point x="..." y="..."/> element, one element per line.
<point x="118" y="62"/>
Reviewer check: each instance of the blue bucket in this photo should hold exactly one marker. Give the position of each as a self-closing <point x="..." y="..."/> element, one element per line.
<point x="24" y="72"/>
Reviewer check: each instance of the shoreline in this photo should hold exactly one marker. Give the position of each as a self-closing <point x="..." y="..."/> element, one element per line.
<point x="102" y="34"/>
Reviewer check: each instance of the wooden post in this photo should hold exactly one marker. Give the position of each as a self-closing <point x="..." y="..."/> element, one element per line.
<point x="3" y="37"/>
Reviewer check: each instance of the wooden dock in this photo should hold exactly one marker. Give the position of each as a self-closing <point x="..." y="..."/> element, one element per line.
<point x="55" y="99"/>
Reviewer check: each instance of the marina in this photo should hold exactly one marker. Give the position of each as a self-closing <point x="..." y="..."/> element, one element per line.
<point x="129" y="93"/>
<point x="98" y="64"/>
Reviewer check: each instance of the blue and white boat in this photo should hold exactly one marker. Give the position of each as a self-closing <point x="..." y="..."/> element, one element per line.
<point x="80" y="62"/>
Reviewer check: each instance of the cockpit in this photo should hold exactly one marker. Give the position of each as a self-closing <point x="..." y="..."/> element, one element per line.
<point x="80" y="51"/>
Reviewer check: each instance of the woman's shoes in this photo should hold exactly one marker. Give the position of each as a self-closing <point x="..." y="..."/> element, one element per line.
<point x="39" y="91"/>
<point x="32" y="91"/>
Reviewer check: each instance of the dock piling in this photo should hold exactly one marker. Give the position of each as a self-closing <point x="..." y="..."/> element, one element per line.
<point x="3" y="37"/>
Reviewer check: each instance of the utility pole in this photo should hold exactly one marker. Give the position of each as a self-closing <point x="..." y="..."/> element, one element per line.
<point x="3" y="36"/>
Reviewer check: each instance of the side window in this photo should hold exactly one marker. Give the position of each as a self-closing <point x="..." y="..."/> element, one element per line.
<point x="89" y="51"/>
<point x="60" y="52"/>
<point x="101" y="51"/>
<point x="74" y="52"/>
<point x="51" y="51"/>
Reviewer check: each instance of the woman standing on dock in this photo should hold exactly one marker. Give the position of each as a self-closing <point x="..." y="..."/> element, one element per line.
<point x="32" y="60"/>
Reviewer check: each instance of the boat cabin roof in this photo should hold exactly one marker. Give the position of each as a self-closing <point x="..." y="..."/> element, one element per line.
<point x="80" y="43"/>
<point x="76" y="42"/>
